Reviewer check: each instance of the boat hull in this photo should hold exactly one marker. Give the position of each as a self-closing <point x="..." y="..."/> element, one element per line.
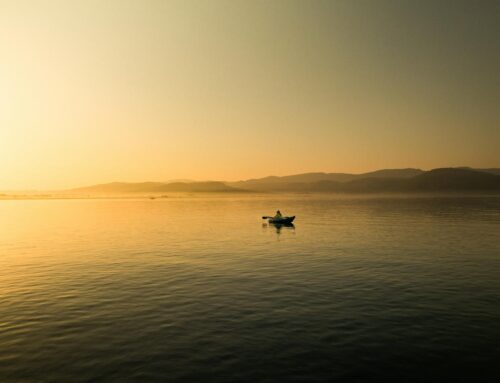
<point x="282" y="220"/>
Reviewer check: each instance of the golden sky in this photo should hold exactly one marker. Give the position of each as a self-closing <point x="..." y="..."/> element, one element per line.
<point x="97" y="91"/>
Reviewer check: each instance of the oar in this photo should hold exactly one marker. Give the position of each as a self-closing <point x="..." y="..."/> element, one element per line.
<point x="266" y="217"/>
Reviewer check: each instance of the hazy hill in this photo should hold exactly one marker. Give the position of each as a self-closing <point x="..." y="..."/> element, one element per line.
<point x="202" y="187"/>
<point x="391" y="173"/>
<point x="437" y="180"/>
<point x="299" y="178"/>
<point x="116" y="188"/>
<point x="303" y="181"/>
<point x="382" y="181"/>
<point x="455" y="179"/>
<point x="119" y="187"/>
<point x="488" y="170"/>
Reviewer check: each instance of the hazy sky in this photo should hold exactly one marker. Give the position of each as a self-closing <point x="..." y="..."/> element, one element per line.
<point x="94" y="91"/>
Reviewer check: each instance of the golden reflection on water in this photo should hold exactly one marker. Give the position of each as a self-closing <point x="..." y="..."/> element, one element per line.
<point x="110" y="283"/>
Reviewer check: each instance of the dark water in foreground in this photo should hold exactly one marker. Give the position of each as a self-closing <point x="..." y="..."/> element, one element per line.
<point x="197" y="289"/>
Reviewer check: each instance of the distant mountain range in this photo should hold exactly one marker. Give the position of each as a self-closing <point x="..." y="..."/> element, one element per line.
<point x="156" y="187"/>
<point x="301" y="181"/>
<point x="380" y="181"/>
<point x="387" y="180"/>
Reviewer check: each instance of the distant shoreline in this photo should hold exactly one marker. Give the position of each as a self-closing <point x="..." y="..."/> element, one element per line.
<point x="175" y="196"/>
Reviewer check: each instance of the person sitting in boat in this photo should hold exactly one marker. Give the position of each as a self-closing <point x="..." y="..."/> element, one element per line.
<point x="278" y="215"/>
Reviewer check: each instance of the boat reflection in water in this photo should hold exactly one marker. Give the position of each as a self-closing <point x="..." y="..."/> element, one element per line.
<point x="280" y="226"/>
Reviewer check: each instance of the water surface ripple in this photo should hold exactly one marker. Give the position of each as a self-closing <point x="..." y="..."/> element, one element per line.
<point x="198" y="289"/>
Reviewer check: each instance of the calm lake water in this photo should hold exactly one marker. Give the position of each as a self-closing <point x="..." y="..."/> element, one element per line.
<point x="197" y="289"/>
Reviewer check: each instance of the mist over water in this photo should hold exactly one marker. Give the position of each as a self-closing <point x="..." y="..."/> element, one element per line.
<point x="201" y="289"/>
